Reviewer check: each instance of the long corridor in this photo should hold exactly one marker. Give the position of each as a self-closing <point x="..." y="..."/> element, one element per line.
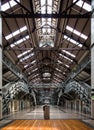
<point x="55" y="113"/>
<point x="60" y="119"/>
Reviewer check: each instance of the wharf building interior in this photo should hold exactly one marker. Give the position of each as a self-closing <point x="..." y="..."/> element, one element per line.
<point x="47" y="64"/>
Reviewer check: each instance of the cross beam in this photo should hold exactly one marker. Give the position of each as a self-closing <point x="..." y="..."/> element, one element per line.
<point x="36" y="15"/>
<point x="47" y="49"/>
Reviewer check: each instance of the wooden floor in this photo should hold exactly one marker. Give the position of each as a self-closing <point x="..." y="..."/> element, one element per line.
<point x="47" y="125"/>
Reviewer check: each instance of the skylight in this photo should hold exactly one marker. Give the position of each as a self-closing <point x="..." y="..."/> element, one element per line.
<point x="29" y="63"/>
<point x="76" y="32"/>
<point x="20" y="41"/>
<point x="46" y="78"/>
<point x="49" y="21"/>
<point x="16" y="33"/>
<point x="58" y="70"/>
<point x="36" y="80"/>
<point x="46" y="75"/>
<point x="83" y="4"/>
<point x="59" y="61"/>
<point x="34" y="70"/>
<point x="68" y="58"/>
<point x="70" y="54"/>
<point x="72" y="41"/>
<point x="43" y="2"/>
<point x="35" y="75"/>
<point x="43" y="9"/>
<point x="49" y="11"/>
<point x="45" y="34"/>
<point x="33" y="61"/>
<point x="22" y="54"/>
<point x="67" y="66"/>
<point x="43" y="21"/>
<point x="44" y="43"/>
<point x="50" y="2"/>
<point x="26" y="57"/>
<point x="65" y="57"/>
<point x="56" y="79"/>
<point x="25" y="66"/>
<point x="49" y="8"/>
<point x="57" y="75"/>
<point x="9" y="4"/>
<point x="44" y="6"/>
<point x="29" y="73"/>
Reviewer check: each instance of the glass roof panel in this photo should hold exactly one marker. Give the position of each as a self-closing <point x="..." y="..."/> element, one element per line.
<point x="84" y="5"/>
<point x="72" y="41"/>
<point x="24" y="53"/>
<point x="76" y="32"/>
<point x="20" y="41"/>
<point x="49" y="2"/>
<point x="26" y="57"/>
<point x="46" y="75"/>
<point x="58" y="70"/>
<point x="43" y="2"/>
<point x="70" y="54"/>
<point x="59" y="62"/>
<point x="66" y="57"/>
<point x="31" y="63"/>
<point x="46" y="32"/>
<point x="16" y="33"/>
<point x="67" y="66"/>
<point x="8" y="5"/>
<point x="43" y="10"/>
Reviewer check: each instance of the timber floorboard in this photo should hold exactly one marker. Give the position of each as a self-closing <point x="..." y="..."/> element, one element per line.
<point x="47" y="125"/>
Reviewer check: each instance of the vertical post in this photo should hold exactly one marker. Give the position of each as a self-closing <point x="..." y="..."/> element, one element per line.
<point x="66" y="104"/>
<point x="92" y="62"/>
<point x="0" y="64"/>
<point x="75" y="104"/>
<point x="79" y="105"/>
<point x="12" y="105"/>
<point x="71" y="105"/>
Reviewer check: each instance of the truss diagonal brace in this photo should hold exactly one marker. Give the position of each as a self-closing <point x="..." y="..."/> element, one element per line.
<point x="14" y="69"/>
<point x="79" y="68"/>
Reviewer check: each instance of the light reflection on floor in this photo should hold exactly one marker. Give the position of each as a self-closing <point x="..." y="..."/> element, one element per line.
<point x="55" y="113"/>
